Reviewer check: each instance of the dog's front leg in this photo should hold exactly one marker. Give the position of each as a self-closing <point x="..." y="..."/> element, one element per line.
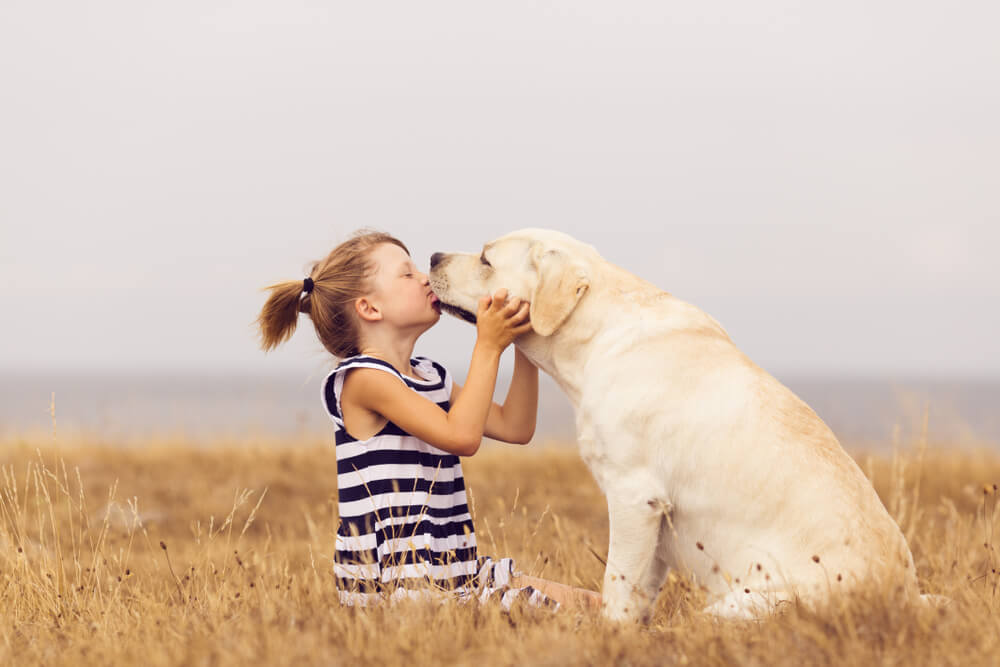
<point x="636" y="567"/>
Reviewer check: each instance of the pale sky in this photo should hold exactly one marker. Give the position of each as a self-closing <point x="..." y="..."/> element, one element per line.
<point x="822" y="178"/>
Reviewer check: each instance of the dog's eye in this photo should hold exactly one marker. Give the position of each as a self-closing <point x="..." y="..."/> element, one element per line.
<point x="482" y="260"/>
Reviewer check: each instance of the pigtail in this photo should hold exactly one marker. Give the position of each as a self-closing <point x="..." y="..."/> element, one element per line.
<point x="337" y="281"/>
<point x="280" y="314"/>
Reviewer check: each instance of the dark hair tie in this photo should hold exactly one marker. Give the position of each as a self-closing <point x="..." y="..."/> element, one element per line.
<point x="307" y="285"/>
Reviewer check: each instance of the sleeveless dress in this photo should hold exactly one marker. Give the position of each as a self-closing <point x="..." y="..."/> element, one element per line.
<point x="405" y="529"/>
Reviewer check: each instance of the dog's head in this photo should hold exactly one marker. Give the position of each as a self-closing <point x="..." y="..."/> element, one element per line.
<point x="547" y="268"/>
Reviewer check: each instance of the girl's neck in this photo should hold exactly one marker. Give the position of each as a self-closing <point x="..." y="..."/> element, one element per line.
<point x="397" y="353"/>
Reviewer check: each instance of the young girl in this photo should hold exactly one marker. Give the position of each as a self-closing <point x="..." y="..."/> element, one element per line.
<point x="401" y="424"/>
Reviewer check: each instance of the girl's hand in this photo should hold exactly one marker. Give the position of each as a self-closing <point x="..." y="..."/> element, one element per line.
<point x="499" y="322"/>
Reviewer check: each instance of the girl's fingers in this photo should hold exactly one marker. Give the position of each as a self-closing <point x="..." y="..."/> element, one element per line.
<point x="522" y="329"/>
<point x="484" y="303"/>
<point x="521" y="313"/>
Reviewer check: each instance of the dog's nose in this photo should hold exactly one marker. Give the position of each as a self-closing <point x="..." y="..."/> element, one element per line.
<point x="436" y="259"/>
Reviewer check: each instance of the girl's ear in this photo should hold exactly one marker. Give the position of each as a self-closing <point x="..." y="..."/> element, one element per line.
<point x="367" y="310"/>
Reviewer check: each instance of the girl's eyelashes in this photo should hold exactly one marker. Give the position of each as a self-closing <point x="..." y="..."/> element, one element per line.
<point x="482" y="260"/>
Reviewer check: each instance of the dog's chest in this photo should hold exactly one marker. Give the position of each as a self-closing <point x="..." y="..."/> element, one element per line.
<point x="595" y="453"/>
<point x="614" y="463"/>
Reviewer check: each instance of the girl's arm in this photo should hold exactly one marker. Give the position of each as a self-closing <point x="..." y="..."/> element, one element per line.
<point x="514" y="421"/>
<point x="460" y="430"/>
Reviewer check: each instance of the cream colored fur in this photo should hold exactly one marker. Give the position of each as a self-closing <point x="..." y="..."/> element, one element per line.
<point x="709" y="464"/>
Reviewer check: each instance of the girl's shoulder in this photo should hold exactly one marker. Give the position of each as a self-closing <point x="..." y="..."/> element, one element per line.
<point x="333" y="383"/>
<point x="435" y="379"/>
<point x="362" y="361"/>
<point x="426" y="374"/>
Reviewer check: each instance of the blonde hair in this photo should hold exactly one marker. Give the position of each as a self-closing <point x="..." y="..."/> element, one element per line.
<point x="337" y="281"/>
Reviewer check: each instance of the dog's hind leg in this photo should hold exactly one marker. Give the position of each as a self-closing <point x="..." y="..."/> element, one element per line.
<point x="636" y="567"/>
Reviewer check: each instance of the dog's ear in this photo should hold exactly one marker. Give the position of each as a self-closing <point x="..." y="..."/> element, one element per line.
<point x="561" y="285"/>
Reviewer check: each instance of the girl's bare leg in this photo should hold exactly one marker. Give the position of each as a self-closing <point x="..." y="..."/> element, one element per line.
<point x="568" y="597"/>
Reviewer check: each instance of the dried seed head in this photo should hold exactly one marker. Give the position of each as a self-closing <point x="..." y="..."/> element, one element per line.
<point x="746" y="590"/>
<point x="840" y="577"/>
<point x="163" y="545"/>
<point x="815" y="559"/>
<point x="701" y="547"/>
<point x="759" y="567"/>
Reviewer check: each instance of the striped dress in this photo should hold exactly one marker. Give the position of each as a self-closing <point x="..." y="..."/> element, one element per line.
<point x="405" y="527"/>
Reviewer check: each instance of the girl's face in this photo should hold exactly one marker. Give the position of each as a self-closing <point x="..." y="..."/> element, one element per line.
<point x="401" y="293"/>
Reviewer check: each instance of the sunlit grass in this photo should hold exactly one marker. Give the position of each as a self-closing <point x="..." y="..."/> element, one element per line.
<point x="183" y="554"/>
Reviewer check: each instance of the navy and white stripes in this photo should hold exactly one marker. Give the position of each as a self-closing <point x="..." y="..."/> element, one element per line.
<point x="403" y="509"/>
<point x="404" y="517"/>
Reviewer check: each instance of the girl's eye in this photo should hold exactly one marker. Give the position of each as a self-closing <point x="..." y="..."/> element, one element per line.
<point x="482" y="260"/>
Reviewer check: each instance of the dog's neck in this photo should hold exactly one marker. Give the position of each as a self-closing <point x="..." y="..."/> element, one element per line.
<point x="563" y="355"/>
<point x="591" y="329"/>
<point x="553" y="354"/>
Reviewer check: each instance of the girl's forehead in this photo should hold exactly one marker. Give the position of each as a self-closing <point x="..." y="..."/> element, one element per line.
<point x="387" y="251"/>
<point x="389" y="257"/>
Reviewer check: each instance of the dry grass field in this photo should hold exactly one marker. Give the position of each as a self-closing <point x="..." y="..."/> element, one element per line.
<point x="177" y="553"/>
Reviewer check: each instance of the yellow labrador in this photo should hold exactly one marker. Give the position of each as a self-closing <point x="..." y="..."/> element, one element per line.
<point x="709" y="464"/>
